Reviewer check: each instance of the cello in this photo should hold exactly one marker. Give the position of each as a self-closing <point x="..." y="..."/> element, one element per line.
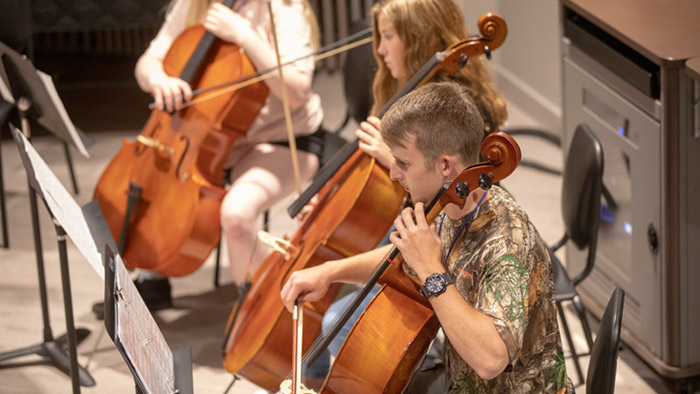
<point x="161" y="194"/>
<point x="357" y="205"/>
<point x="380" y="358"/>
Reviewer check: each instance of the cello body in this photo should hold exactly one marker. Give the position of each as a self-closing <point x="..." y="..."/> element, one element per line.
<point x="395" y="352"/>
<point x="355" y="210"/>
<point x="178" y="160"/>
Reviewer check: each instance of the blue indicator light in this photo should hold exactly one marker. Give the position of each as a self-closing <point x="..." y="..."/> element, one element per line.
<point x="628" y="228"/>
<point x="621" y="131"/>
<point x="606" y="214"/>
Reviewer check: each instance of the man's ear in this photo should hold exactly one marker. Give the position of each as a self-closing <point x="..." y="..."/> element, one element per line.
<point x="448" y="165"/>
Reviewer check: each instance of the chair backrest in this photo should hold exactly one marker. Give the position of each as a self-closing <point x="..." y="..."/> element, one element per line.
<point x="582" y="183"/>
<point x="359" y="70"/>
<point x="603" y="364"/>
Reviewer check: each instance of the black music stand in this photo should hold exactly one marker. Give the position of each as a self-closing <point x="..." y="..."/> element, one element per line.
<point x="156" y="369"/>
<point x="18" y="73"/>
<point x="52" y="347"/>
<point x="37" y="100"/>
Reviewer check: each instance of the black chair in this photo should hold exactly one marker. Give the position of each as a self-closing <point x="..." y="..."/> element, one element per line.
<point x="603" y="364"/>
<point x="582" y="182"/>
<point x="537" y="133"/>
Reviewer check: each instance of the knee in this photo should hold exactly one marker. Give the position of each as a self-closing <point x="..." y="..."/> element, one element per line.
<point x="235" y="224"/>
<point x="310" y="166"/>
<point x="330" y="316"/>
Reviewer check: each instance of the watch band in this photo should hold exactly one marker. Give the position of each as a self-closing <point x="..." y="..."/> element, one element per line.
<point x="435" y="284"/>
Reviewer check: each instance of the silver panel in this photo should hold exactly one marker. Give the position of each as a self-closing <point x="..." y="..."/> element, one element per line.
<point x="631" y="140"/>
<point x="690" y="221"/>
<point x="632" y="94"/>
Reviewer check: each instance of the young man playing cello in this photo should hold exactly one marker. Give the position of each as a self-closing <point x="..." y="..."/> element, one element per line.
<point x="485" y="269"/>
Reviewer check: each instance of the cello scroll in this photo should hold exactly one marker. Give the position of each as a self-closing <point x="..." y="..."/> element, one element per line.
<point x="493" y="31"/>
<point x="503" y="156"/>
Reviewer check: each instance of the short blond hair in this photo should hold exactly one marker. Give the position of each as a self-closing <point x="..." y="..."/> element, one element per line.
<point x="443" y="119"/>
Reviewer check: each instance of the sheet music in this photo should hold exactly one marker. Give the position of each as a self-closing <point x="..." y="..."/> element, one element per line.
<point x="136" y="330"/>
<point x="53" y="94"/>
<point x="62" y="205"/>
<point x="140" y="336"/>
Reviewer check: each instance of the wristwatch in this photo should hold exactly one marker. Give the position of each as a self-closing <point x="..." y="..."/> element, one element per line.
<point x="435" y="285"/>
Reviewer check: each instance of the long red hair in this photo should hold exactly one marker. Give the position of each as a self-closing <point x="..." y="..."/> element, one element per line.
<point x="426" y="27"/>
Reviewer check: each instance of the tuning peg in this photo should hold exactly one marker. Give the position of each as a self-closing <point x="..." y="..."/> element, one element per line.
<point x="487" y="52"/>
<point x="463" y="59"/>
<point x="485" y="181"/>
<point x="462" y="189"/>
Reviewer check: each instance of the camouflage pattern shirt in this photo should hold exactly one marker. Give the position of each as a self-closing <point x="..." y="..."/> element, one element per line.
<point x="500" y="265"/>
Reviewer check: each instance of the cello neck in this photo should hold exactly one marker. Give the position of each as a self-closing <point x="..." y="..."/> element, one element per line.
<point x="324" y="339"/>
<point x="340" y="157"/>
<point x="420" y="77"/>
<point x="189" y="73"/>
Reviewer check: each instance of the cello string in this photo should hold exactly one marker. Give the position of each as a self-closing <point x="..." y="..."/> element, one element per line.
<point x="392" y="257"/>
<point x="326" y="51"/>
<point x="344" y="311"/>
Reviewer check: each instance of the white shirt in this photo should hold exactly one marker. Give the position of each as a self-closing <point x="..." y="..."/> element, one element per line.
<point x="294" y="40"/>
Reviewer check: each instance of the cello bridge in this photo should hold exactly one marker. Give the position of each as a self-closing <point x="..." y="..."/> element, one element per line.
<point x="154" y="143"/>
<point x="279" y="245"/>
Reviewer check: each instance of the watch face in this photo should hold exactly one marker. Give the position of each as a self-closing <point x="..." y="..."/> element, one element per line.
<point x="434" y="284"/>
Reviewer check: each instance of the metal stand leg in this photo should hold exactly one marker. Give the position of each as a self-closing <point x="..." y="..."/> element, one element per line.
<point x="217" y="266"/>
<point x="567" y="334"/>
<point x="134" y="196"/>
<point x="51" y="347"/>
<point x="235" y="378"/>
<point x="79" y="376"/>
<point x="578" y="305"/>
<point x="3" y="207"/>
<point x="71" y="171"/>
<point x="266" y="220"/>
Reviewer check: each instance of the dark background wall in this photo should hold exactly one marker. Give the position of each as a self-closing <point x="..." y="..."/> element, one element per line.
<point x="90" y="48"/>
